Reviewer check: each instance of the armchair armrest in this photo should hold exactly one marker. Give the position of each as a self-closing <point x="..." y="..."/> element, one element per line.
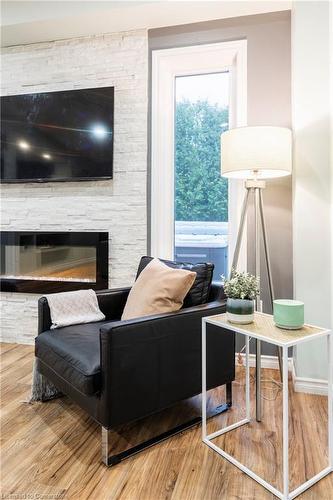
<point x="158" y="320"/>
<point x="111" y="303"/>
<point x="44" y="315"/>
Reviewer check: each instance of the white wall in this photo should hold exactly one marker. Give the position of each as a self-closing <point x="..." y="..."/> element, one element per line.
<point x="36" y="21"/>
<point x="117" y="206"/>
<point x="312" y="177"/>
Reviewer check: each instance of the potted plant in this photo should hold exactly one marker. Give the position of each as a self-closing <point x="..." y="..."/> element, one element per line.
<point x="241" y="290"/>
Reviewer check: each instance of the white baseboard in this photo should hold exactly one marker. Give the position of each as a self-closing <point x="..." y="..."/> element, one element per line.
<point x="309" y="385"/>
<point x="17" y="340"/>
<point x="301" y="384"/>
<point x="271" y="362"/>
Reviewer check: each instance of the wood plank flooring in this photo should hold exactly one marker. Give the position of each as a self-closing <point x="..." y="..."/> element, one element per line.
<point x="52" y="450"/>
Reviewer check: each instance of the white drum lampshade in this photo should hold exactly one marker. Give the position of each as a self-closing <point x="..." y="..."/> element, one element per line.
<point x="260" y="152"/>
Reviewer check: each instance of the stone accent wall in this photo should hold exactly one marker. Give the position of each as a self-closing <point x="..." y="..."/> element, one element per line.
<point x="118" y="205"/>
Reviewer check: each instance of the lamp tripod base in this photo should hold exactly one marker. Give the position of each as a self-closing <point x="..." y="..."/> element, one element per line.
<point x="255" y="188"/>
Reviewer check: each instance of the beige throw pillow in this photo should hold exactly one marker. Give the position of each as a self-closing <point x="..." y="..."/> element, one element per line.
<point x="158" y="289"/>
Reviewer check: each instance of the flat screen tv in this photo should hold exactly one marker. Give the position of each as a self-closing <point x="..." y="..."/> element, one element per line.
<point x="57" y="136"/>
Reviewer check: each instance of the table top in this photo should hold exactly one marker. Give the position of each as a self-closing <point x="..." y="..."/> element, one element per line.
<point x="263" y="328"/>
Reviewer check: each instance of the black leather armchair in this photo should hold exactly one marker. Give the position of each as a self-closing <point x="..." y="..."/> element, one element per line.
<point x="121" y="371"/>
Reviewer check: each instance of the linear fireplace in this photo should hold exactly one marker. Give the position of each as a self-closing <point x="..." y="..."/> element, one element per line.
<point x="47" y="262"/>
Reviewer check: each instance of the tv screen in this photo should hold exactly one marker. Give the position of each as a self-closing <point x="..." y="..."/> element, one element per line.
<point x="57" y="136"/>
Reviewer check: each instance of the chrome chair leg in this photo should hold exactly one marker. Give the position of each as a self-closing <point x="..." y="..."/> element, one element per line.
<point x="110" y="460"/>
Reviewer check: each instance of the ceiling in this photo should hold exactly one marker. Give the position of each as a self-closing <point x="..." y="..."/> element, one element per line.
<point x="24" y="22"/>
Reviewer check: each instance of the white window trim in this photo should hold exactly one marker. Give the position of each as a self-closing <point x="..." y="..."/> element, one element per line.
<point x="166" y="65"/>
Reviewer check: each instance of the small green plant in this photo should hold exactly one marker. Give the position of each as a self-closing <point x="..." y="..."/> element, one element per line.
<point x="241" y="286"/>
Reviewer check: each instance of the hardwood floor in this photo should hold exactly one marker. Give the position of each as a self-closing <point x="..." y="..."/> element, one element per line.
<point x="52" y="450"/>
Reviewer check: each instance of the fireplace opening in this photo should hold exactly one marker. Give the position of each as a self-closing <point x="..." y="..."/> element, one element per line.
<point x="43" y="262"/>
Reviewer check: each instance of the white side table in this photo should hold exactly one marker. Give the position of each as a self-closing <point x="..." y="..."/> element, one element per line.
<point x="263" y="328"/>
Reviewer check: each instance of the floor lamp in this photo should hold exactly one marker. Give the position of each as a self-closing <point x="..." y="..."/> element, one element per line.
<point x="256" y="154"/>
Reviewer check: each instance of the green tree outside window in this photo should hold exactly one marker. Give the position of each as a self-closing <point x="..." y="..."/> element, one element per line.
<point x="201" y="193"/>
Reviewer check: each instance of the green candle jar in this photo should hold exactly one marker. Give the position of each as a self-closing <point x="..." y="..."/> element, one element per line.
<point x="288" y="314"/>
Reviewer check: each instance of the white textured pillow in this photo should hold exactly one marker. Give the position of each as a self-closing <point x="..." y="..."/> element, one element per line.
<point x="158" y="289"/>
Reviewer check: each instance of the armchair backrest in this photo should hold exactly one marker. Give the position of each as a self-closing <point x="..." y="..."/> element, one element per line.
<point x="217" y="292"/>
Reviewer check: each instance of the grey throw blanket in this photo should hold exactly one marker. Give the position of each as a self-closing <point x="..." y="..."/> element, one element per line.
<point x="74" y="308"/>
<point x="41" y="388"/>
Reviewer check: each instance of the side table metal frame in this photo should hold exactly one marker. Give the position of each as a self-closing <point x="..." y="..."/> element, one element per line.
<point x="207" y="439"/>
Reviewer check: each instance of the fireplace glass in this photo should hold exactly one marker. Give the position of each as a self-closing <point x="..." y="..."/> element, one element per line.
<point x="53" y="261"/>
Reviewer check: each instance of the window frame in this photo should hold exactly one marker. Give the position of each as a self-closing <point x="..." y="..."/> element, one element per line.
<point x="167" y="64"/>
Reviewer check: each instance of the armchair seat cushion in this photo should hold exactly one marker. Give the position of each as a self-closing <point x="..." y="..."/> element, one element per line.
<point x="73" y="352"/>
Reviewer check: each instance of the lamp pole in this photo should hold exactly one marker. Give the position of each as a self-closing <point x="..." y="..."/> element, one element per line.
<point x="257" y="185"/>
<point x="258" y="298"/>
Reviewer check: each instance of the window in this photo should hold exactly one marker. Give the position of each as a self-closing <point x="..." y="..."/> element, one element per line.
<point x="197" y="93"/>
<point x="201" y="194"/>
